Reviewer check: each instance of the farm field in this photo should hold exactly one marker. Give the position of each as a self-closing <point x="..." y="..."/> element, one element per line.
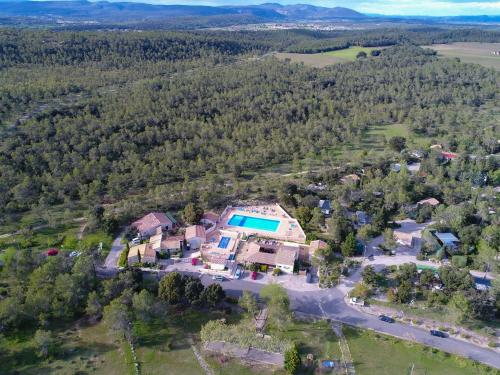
<point x="320" y="60"/>
<point x="476" y="53"/>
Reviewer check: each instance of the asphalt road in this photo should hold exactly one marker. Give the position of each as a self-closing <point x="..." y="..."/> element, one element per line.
<point x="113" y="255"/>
<point x="329" y="303"/>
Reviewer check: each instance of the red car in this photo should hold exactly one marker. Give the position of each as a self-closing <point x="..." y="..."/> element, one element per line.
<point x="52" y="252"/>
<point x="254" y="275"/>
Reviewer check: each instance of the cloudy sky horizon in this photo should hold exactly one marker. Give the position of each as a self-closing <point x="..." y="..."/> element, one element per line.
<point x="386" y="7"/>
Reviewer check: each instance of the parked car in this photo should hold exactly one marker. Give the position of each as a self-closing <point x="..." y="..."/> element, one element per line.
<point x="356" y="301"/>
<point x="435" y="332"/>
<point x="136" y="241"/>
<point x="52" y="252"/>
<point x="237" y="274"/>
<point x="386" y="318"/>
<point x="218" y="278"/>
<point x="254" y="275"/>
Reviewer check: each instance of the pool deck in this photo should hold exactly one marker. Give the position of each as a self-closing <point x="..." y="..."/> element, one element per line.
<point x="289" y="228"/>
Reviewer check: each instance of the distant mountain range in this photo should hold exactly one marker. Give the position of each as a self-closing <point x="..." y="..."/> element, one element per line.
<point x="13" y="12"/>
<point x="123" y="11"/>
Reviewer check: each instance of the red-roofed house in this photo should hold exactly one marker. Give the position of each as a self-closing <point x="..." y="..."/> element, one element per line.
<point x="195" y="236"/>
<point x="148" y="225"/>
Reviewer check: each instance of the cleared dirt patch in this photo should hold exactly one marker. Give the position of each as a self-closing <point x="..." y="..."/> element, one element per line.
<point x="471" y="52"/>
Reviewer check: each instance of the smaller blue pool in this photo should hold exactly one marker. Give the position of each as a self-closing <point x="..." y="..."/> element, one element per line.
<point x="254" y="223"/>
<point x="224" y="241"/>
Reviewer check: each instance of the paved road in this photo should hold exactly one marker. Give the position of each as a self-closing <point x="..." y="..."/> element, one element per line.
<point x="330" y="303"/>
<point x="116" y="249"/>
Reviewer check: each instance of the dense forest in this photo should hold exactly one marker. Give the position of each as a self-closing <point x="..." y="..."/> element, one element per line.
<point x="155" y="108"/>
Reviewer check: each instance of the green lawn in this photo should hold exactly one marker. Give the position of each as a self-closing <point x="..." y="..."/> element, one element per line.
<point x="349" y="53"/>
<point x="320" y="60"/>
<point x="378" y="134"/>
<point x="315" y="338"/>
<point x="41" y="239"/>
<point x="163" y="347"/>
<point x="384" y="355"/>
<point x="86" y="349"/>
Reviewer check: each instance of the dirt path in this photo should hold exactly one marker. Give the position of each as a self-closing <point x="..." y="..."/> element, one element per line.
<point x="344" y="349"/>
<point x="204" y="365"/>
<point x="81" y="230"/>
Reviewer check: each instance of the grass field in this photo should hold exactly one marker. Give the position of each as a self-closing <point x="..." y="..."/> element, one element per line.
<point x="315" y="338"/>
<point x="469" y="52"/>
<point x="85" y="349"/>
<point x="383" y="355"/>
<point x="350" y="53"/>
<point x="320" y="60"/>
<point x="62" y="237"/>
<point x="163" y="347"/>
<point x="373" y="354"/>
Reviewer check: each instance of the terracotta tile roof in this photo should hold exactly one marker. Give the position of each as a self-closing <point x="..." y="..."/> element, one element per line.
<point x="215" y="259"/>
<point x="286" y="255"/>
<point x="151" y="221"/>
<point x="262" y="258"/>
<point x="195" y="231"/>
<point x="172" y="242"/>
<point x="144" y="250"/>
<point x="317" y="244"/>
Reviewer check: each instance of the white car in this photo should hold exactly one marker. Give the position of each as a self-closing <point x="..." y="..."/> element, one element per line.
<point x="356" y="301"/>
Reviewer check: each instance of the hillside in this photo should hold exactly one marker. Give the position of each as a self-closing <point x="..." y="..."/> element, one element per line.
<point x="123" y="11"/>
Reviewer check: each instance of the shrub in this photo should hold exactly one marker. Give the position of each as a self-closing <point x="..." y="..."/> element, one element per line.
<point x="292" y="360"/>
<point x="276" y="272"/>
<point x="459" y="261"/>
<point x="122" y="261"/>
<point x="360" y="290"/>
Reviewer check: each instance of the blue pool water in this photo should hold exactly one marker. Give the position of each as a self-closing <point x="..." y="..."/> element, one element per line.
<point x="224" y="241"/>
<point x="254" y="223"/>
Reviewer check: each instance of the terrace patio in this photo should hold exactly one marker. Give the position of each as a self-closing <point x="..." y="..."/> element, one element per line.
<point x="288" y="228"/>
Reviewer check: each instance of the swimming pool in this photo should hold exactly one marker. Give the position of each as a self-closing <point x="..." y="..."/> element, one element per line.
<point x="224" y="241"/>
<point x="254" y="223"/>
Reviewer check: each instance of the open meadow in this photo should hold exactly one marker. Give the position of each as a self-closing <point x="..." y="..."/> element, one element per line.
<point x="320" y="60"/>
<point x="471" y="52"/>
